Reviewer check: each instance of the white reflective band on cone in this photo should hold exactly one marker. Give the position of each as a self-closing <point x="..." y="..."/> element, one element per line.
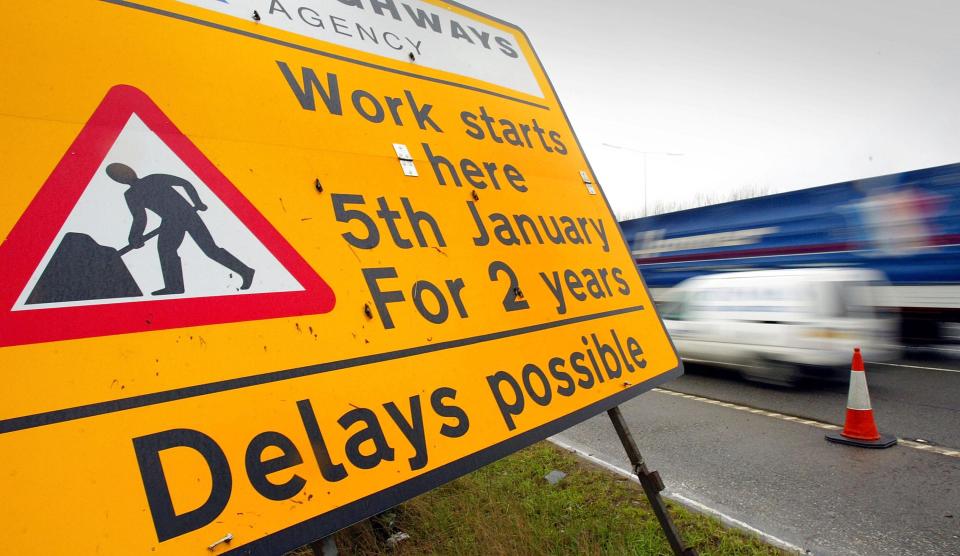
<point x="858" y="397"/>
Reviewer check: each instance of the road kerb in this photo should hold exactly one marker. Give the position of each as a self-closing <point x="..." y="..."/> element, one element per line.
<point x="683" y="500"/>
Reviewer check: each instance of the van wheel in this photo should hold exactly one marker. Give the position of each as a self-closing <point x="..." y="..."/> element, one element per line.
<point x="777" y="373"/>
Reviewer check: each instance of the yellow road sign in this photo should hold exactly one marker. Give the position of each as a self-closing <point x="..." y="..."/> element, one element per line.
<point x="272" y="267"/>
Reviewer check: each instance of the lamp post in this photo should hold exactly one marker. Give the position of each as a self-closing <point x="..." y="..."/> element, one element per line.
<point x="644" y="154"/>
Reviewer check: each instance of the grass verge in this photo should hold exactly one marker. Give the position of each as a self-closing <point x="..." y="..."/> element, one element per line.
<point x="509" y="508"/>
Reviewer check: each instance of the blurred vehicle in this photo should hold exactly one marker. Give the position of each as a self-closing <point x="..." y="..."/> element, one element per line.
<point x="781" y="326"/>
<point x="905" y="225"/>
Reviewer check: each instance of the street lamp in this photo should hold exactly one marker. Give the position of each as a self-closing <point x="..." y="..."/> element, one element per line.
<point x="644" y="155"/>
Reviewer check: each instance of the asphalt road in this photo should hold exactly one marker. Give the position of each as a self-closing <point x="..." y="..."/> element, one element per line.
<point x="779" y="475"/>
<point x="911" y="399"/>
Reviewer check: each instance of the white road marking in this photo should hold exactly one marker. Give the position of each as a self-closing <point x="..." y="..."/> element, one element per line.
<point x="711" y="362"/>
<point x="683" y="500"/>
<point x="913" y="367"/>
<point x="950" y="452"/>
<point x="932" y="348"/>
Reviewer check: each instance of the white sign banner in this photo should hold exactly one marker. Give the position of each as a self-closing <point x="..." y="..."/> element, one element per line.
<point x="435" y="37"/>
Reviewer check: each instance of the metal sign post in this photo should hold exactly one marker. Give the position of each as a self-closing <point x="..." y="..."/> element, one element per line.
<point x="651" y="482"/>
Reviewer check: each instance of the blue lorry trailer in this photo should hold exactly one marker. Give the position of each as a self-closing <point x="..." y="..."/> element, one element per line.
<point x="906" y="225"/>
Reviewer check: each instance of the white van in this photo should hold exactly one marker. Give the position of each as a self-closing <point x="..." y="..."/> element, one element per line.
<point x="781" y="326"/>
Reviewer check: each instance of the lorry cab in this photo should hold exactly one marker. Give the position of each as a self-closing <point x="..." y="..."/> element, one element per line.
<point x="781" y="326"/>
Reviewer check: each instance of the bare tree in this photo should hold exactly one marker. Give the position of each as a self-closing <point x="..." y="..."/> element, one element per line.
<point x="700" y="199"/>
<point x="749" y="192"/>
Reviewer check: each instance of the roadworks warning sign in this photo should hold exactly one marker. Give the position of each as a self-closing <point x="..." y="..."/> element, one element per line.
<point x="273" y="267"/>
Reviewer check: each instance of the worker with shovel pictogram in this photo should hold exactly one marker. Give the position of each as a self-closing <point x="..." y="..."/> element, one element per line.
<point x="83" y="270"/>
<point x="178" y="218"/>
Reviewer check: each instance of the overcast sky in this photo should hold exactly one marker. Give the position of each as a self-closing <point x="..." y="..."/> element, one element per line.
<point x="771" y="93"/>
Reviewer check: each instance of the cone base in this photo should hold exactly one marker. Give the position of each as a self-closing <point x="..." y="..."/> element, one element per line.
<point x="885" y="441"/>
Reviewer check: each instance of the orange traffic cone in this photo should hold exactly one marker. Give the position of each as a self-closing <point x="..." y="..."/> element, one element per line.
<point x="860" y="429"/>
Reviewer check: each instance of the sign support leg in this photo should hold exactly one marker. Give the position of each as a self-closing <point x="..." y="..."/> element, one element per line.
<point x="651" y="482"/>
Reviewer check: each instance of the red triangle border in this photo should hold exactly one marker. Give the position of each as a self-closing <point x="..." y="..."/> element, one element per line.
<point x="28" y="241"/>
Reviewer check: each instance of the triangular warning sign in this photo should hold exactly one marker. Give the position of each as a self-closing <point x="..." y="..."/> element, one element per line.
<point x="136" y="230"/>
